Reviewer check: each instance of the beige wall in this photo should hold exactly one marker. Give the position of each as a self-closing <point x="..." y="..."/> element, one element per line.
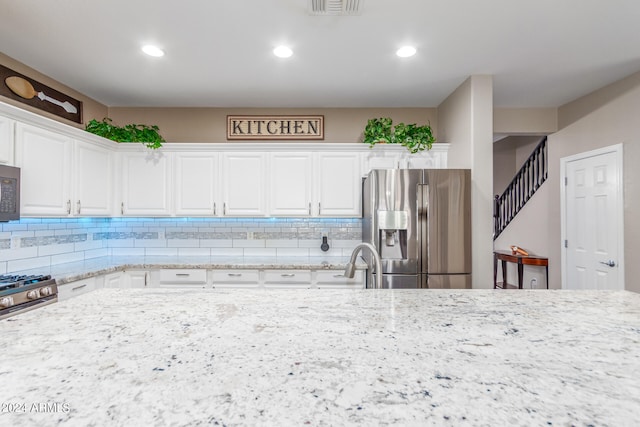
<point x="90" y="108"/>
<point x="466" y="122"/>
<point x="605" y="117"/>
<point x="532" y="121"/>
<point x="509" y="154"/>
<point x="209" y="124"/>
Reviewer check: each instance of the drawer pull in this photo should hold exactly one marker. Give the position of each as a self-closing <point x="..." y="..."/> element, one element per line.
<point x="79" y="287"/>
<point x="342" y="276"/>
<point x="288" y="275"/>
<point x="234" y="274"/>
<point x="183" y="274"/>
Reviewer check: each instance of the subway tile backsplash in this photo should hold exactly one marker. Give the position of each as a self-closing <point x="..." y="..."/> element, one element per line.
<point x="39" y="242"/>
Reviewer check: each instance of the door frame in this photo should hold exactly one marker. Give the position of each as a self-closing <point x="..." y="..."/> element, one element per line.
<point x="617" y="149"/>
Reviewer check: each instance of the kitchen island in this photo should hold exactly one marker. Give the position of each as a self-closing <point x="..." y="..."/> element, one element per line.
<point x="318" y="357"/>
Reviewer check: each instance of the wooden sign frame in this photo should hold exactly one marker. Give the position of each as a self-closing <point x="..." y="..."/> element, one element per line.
<point x="42" y="96"/>
<point x="275" y="127"/>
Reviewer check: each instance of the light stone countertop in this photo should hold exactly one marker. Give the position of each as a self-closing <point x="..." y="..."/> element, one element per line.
<point x="156" y="357"/>
<point x="70" y="272"/>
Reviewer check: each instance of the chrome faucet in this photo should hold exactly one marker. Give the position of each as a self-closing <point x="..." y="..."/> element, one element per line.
<point x="351" y="266"/>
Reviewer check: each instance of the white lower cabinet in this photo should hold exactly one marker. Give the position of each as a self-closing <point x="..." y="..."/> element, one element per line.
<point x="287" y="279"/>
<point x="136" y="279"/>
<point x="73" y="289"/>
<point x="112" y="280"/>
<point x="235" y="278"/>
<point x="181" y="278"/>
<point x="334" y="279"/>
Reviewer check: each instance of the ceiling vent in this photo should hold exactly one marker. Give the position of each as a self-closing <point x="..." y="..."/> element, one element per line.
<point x="335" y="7"/>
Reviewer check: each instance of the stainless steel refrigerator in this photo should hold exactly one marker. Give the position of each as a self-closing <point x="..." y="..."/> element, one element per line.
<point x="419" y="221"/>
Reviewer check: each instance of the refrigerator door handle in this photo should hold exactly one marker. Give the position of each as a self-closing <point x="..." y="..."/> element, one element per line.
<point x="423" y="226"/>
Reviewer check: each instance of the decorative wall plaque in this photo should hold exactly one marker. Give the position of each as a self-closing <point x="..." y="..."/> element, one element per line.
<point x="275" y="127"/>
<point x="24" y="89"/>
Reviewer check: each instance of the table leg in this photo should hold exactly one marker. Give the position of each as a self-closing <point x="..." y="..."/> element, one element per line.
<point x="520" y="274"/>
<point x="495" y="271"/>
<point x="504" y="274"/>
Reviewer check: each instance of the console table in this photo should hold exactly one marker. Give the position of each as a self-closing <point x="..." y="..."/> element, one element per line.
<point x="521" y="260"/>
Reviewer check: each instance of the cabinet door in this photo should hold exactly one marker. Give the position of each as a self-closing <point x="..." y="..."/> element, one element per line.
<point x="244" y="184"/>
<point x="45" y="160"/>
<point x="136" y="279"/>
<point x="113" y="280"/>
<point x="146" y="185"/>
<point x="339" y="184"/>
<point x="6" y="140"/>
<point x="93" y="180"/>
<point x="196" y="184"/>
<point x="290" y="184"/>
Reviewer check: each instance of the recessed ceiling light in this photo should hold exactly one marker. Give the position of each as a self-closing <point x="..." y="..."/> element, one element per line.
<point x="282" y="52"/>
<point x="152" y="50"/>
<point x="406" y="51"/>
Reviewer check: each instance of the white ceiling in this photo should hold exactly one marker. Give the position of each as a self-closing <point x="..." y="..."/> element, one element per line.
<point x="541" y="53"/>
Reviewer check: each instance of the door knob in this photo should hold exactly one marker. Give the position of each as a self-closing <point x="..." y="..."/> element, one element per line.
<point x="610" y="263"/>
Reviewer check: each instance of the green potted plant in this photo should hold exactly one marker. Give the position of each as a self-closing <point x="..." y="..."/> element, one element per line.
<point x="148" y="135"/>
<point x="415" y="138"/>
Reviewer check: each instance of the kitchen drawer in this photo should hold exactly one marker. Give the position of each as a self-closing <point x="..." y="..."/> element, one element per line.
<point x="184" y="275"/>
<point x="287" y="276"/>
<point x="287" y="279"/>
<point x="73" y="289"/>
<point x="236" y="278"/>
<point x="327" y="279"/>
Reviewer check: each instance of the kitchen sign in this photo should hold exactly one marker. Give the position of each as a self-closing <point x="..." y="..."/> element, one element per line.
<point x="275" y="127"/>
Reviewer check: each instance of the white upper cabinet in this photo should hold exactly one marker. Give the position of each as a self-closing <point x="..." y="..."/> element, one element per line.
<point x="290" y="177"/>
<point x="45" y="161"/>
<point x="62" y="177"/>
<point x="146" y="183"/>
<point x="197" y="184"/>
<point x="244" y="184"/>
<point x="339" y="183"/>
<point x="6" y="140"/>
<point x="93" y="180"/>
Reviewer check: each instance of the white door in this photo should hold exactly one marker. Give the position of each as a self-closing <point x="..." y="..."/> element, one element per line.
<point x="6" y="140"/>
<point x="146" y="183"/>
<point x="45" y="161"/>
<point x="592" y="220"/>
<point x="339" y="184"/>
<point x="290" y="184"/>
<point x="196" y="184"/>
<point x="244" y="184"/>
<point x="93" y="180"/>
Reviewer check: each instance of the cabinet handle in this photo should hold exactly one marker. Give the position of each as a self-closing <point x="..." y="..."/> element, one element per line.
<point x="68" y="207"/>
<point x="319" y="208"/>
<point x="339" y="276"/>
<point x="234" y="274"/>
<point x="122" y="208"/>
<point x="79" y="287"/>
<point x="183" y="274"/>
<point x="146" y="274"/>
<point x="224" y="209"/>
<point x="288" y="275"/>
<point x="78" y="206"/>
<point x="309" y="208"/>
<point x="214" y="208"/>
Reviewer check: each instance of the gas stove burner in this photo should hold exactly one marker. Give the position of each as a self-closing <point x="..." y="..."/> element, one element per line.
<point x="21" y="292"/>
<point x="17" y="281"/>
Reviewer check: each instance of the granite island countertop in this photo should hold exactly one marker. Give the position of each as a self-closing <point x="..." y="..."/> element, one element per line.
<point x="309" y="357"/>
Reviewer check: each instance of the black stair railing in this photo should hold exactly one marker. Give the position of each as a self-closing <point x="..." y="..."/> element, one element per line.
<point x="524" y="184"/>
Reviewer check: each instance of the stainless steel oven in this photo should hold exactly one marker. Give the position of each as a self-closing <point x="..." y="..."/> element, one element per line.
<point x="9" y="193"/>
